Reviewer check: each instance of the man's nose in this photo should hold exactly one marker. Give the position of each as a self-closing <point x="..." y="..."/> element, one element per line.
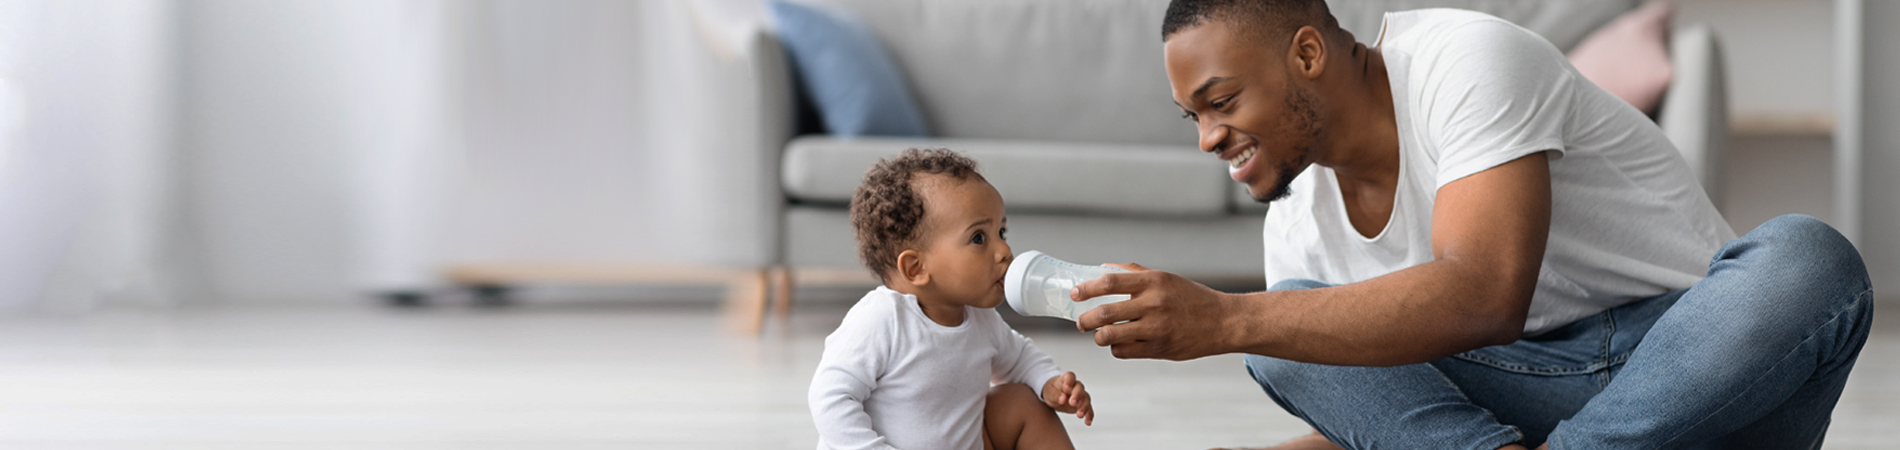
<point x="1211" y="136"/>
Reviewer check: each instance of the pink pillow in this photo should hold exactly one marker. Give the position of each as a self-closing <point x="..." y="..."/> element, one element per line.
<point x="1630" y="56"/>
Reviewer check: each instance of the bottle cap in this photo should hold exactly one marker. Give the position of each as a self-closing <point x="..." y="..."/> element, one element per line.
<point x="1013" y="280"/>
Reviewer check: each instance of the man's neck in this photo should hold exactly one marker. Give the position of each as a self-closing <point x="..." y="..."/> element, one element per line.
<point x="1365" y="142"/>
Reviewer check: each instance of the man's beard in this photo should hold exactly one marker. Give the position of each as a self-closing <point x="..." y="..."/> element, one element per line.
<point x="1305" y="111"/>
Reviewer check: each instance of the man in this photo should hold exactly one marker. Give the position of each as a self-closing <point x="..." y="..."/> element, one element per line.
<point x="1472" y="246"/>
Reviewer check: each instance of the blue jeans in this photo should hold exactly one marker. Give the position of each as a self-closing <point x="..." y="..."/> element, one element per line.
<point x="1753" y="356"/>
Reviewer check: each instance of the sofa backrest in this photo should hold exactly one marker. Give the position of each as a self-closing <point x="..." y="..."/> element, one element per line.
<point x="1091" y="70"/>
<point x="1087" y="70"/>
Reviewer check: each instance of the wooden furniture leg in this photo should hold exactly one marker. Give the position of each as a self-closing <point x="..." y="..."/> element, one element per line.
<point x="747" y="290"/>
<point x="746" y="302"/>
<point x="782" y="292"/>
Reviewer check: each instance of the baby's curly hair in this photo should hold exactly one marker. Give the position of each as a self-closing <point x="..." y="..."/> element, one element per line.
<point x="886" y="212"/>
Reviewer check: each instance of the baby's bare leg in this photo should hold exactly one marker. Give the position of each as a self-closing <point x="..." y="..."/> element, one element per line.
<point x="1014" y="419"/>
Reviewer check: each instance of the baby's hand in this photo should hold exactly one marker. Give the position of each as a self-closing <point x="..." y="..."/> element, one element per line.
<point x="1065" y="394"/>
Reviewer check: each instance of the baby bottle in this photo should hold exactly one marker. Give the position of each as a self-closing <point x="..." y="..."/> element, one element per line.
<point x="1038" y="285"/>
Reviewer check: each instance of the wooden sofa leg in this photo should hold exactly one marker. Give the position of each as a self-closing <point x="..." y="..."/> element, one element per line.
<point x="746" y="302"/>
<point x="782" y="292"/>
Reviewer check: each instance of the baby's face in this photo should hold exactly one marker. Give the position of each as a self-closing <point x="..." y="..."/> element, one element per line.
<point x="963" y="246"/>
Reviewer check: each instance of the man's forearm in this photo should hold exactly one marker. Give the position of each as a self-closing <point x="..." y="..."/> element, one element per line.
<point x="1415" y="315"/>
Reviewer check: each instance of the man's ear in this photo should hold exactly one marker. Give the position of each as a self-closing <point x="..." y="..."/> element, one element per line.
<point x="910" y="266"/>
<point x="1307" y="55"/>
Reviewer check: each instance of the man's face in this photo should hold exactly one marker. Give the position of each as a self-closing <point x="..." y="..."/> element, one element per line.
<point x="1242" y="96"/>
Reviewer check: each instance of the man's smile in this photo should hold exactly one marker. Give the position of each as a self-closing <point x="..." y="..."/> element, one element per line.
<point x="1240" y="154"/>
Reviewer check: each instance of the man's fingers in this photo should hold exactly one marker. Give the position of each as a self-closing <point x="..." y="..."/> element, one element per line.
<point x="1104" y="315"/>
<point x="1114" y="283"/>
<point x="1132" y="350"/>
<point x="1109" y="335"/>
<point x="1131" y="267"/>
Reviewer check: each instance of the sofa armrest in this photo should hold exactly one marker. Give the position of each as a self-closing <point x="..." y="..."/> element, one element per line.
<point x="1695" y="109"/>
<point x="739" y="134"/>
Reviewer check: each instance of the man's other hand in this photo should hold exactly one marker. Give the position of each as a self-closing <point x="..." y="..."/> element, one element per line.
<point x="1167" y="317"/>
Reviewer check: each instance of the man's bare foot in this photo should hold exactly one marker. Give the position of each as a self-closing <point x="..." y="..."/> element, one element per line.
<point x="1313" y="441"/>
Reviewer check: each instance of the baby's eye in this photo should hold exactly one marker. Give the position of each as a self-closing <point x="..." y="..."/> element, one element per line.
<point x="977" y="238"/>
<point x="1002" y="233"/>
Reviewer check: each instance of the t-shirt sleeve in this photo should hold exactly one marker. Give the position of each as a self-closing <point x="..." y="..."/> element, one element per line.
<point x="855" y="357"/>
<point x="1491" y="93"/>
<point x="1017" y="359"/>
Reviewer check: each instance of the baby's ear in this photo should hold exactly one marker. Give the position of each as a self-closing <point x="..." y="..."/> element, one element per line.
<point x="910" y="267"/>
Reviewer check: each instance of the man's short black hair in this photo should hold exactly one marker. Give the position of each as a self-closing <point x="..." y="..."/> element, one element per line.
<point x="1267" y="20"/>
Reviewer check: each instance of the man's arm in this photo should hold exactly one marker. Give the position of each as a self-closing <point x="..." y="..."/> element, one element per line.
<point x="1488" y="236"/>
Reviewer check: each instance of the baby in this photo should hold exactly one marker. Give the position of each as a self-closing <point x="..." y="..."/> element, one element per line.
<point x="913" y="364"/>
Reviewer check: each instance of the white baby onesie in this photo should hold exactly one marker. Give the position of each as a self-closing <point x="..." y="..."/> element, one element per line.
<point x="892" y="378"/>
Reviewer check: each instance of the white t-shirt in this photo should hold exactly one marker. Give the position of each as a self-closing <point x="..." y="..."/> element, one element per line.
<point x="1470" y="92"/>
<point x="891" y="378"/>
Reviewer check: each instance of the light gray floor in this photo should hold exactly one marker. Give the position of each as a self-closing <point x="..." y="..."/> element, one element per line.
<point x="576" y="376"/>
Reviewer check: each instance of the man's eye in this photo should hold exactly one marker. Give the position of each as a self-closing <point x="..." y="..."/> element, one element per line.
<point x="1220" y="104"/>
<point x="976" y="238"/>
<point x="1190" y="117"/>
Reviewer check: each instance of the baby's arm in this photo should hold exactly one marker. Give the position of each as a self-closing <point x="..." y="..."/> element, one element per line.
<point x="1019" y="361"/>
<point x="846" y="375"/>
<point x="1065" y="394"/>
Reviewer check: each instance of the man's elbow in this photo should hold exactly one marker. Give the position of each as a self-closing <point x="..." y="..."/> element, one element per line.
<point x="1503" y="323"/>
<point x="1503" y="333"/>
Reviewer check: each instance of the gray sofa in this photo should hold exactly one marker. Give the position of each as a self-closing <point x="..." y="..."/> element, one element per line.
<point x="1065" y="105"/>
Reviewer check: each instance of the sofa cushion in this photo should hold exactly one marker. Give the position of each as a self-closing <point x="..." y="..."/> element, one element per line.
<point x="1630" y="56"/>
<point x="1033" y="176"/>
<point x="848" y="74"/>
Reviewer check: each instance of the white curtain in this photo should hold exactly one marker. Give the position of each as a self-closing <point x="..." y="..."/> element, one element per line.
<point x="156" y="152"/>
<point x="88" y="191"/>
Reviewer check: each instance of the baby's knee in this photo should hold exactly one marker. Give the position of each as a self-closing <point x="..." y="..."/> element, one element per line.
<point x="1012" y="394"/>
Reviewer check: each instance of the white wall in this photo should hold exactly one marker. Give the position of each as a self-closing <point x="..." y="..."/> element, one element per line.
<point x="1780" y="52"/>
<point x="319" y="142"/>
<point x="560" y="166"/>
<point x="1880" y="145"/>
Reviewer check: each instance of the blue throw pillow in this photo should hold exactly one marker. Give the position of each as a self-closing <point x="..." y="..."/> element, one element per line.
<point x="849" y="76"/>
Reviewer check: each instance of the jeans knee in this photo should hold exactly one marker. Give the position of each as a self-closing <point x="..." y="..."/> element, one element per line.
<point x="1267" y="372"/>
<point x="1282" y="380"/>
<point x="1295" y="284"/>
<point x="1809" y="249"/>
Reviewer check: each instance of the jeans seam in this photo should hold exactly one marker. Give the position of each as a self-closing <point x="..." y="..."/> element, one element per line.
<point x="1524" y="369"/>
<point x="1858" y="300"/>
<point x="1604" y="358"/>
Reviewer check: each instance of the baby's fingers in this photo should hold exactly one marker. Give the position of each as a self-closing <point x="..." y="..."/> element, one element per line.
<point x="1084" y="406"/>
<point x="1076" y="395"/>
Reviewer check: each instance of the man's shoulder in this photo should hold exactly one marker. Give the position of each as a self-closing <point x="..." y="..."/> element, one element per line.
<point x="1428" y="32"/>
